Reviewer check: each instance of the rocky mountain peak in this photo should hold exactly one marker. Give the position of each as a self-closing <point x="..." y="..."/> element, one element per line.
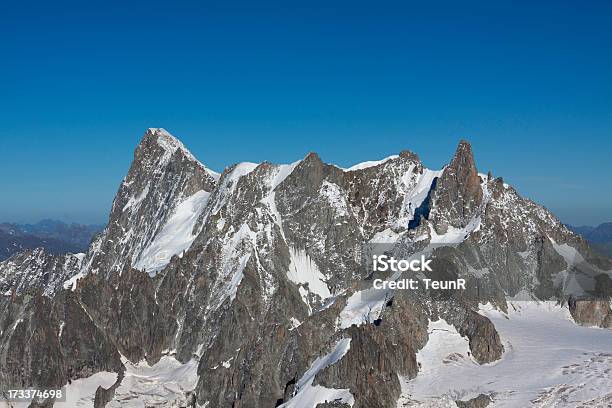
<point x="158" y="148"/>
<point x="160" y="137"/>
<point x="164" y="181"/>
<point x="463" y="153"/>
<point x="162" y="162"/>
<point x="458" y="193"/>
<point x="462" y="167"/>
<point x="410" y="155"/>
<point x="309" y="173"/>
<point x="312" y="159"/>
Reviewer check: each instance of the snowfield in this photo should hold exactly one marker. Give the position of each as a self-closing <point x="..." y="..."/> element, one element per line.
<point x="549" y="361"/>
<point x="371" y="163"/>
<point x="176" y="236"/>
<point x="303" y="270"/>
<point x="162" y="384"/>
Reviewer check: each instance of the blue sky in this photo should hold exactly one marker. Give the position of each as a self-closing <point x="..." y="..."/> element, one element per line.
<point x="528" y="84"/>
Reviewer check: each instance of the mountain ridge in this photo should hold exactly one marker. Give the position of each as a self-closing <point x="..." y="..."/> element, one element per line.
<point x="266" y="278"/>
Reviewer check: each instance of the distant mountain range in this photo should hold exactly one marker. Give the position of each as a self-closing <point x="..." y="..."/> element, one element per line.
<point x="54" y="236"/>
<point x="600" y="236"/>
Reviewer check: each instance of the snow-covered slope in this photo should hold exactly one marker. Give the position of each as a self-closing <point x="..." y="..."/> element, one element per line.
<point x="175" y="236"/>
<point x="549" y="362"/>
<point x="156" y="208"/>
<point x="309" y="395"/>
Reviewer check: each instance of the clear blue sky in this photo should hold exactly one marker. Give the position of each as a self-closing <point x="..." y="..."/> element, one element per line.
<point x="530" y="85"/>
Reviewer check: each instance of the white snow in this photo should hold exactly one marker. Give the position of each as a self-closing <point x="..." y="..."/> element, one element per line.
<point x="284" y="170"/>
<point x="228" y="184"/>
<point x="412" y="186"/>
<point x="166" y="381"/>
<point x="363" y="306"/>
<point x="162" y="384"/>
<point x="548" y="359"/>
<point x="569" y="253"/>
<point x="71" y="283"/>
<point x="235" y="254"/>
<point x="175" y="236"/>
<point x="295" y="323"/>
<point x="80" y="393"/>
<point x="576" y="283"/>
<point x="387" y="236"/>
<point x="241" y="169"/>
<point x="171" y="144"/>
<point x="216" y="176"/>
<point x="455" y="235"/>
<point x="303" y="270"/>
<point x="243" y="234"/>
<point x="308" y="395"/>
<point x="133" y="202"/>
<point x="444" y="341"/>
<point x="419" y="192"/>
<point x="220" y="224"/>
<point x="445" y="347"/>
<point x="372" y="163"/>
<point x="335" y="197"/>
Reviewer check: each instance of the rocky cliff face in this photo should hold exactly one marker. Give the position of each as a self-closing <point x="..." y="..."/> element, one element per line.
<point x="256" y="277"/>
<point x="36" y="269"/>
<point x="163" y="176"/>
<point x="458" y="195"/>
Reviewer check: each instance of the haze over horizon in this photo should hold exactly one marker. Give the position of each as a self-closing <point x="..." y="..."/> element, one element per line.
<point x="528" y="87"/>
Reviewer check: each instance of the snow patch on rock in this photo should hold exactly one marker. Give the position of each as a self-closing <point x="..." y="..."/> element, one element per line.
<point x="304" y="271"/>
<point x="81" y="392"/>
<point x="571" y="256"/>
<point x="371" y="163"/>
<point x="335" y="197"/>
<point x="175" y="237"/>
<point x="71" y="283"/>
<point x="455" y="235"/>
<point x="228" y="183"/>
<point x="134" y="202"/>
<point x="165" y="382"/>
<point x="171" y="144"/>
<point x="363" y="306"/>
<point x="308" y="395"/>
<point x="417" y="194"/>
<point x="236" y="252"/>
<point x="283" y="171"/>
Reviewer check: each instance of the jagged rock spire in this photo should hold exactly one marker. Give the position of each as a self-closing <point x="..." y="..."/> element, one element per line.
<point x="458" y="193"/>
